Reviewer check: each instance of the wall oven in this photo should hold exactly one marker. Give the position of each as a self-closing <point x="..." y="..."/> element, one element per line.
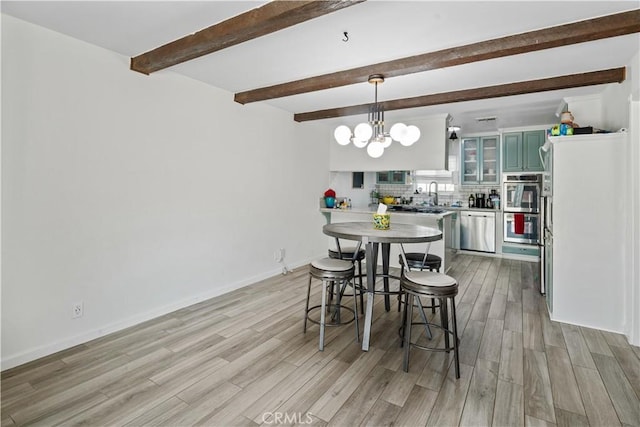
<point x="522" y="228"/>
<point x="521" y="204"/>
<point x="521" y="192"/>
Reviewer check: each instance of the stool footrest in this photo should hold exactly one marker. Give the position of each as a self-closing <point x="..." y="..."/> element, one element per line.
<point x="342" y="322"/>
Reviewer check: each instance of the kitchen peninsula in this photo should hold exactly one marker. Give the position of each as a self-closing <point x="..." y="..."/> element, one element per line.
<point x="441" y="221"/>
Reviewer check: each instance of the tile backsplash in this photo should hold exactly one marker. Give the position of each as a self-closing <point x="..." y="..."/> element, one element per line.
<point x="361" y="197"/>
<point x="460" y="194"/>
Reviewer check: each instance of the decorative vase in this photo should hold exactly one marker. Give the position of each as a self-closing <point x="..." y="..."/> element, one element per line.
<point x="330" y="202"/>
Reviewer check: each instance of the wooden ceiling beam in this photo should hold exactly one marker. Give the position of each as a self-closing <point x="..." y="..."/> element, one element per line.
<point x="578" y="32"/>
<point x="613" y="75"/>
<point x="269" y="18"/>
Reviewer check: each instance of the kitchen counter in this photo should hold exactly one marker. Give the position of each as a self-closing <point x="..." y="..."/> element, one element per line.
<point x="448" y="210"/>
<point x="442" y="221"/>
<point x="392" y="212"/>
<point x="464" y="208"/>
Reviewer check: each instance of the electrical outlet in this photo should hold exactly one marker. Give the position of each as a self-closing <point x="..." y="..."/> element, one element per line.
<point x="77" y="310"/>
<point x="278" y="255"/>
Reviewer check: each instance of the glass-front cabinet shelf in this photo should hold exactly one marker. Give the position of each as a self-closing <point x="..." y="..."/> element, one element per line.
<point x="470" y="160"/>
<point x="480" y="160"/>
<point x="489" y="160"/>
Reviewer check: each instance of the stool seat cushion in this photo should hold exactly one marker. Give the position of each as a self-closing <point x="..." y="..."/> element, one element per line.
<point x="332" y="264"/>
<point x="430" y="278"/>
<point x="419" y="256"/>
<point x="348" y="252"/>
<point x="345" y="249"/>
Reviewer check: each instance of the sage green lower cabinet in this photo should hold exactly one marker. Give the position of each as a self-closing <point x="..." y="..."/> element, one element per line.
<point x="520" y="250"/>
<point x="520" y="151"/>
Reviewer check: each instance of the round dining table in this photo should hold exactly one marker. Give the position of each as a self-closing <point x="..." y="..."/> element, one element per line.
<point x="365" y="233"/>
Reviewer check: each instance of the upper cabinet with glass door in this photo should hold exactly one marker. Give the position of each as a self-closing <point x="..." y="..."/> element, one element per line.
<point x="480" y="160"/>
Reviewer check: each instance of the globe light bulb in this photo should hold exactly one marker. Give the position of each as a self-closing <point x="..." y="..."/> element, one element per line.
<point x="375" y="149"/>
<point x="412" y="135"/>
<point x="398" y="131"/>
<point x="360" y="144"/>
<point x="363" y="132"/>
<point x="342" y="134"/>
<point x="387" y="142"/>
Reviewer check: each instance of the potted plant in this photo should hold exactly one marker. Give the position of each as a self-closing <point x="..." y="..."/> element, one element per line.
<point x="330" y="198"/>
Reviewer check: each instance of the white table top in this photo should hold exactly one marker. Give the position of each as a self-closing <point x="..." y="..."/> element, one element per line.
<point x="397" y="233"/>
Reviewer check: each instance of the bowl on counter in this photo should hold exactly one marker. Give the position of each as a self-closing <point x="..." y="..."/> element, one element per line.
<point x="388" y="200"/>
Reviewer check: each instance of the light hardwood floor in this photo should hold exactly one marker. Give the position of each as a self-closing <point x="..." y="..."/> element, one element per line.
<point x="241" y="359"/>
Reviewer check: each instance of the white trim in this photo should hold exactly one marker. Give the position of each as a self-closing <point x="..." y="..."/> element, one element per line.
<point x="49" y="349"/>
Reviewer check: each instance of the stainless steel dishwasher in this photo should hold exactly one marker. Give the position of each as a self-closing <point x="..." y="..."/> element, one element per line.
<point x="478" y="231"/>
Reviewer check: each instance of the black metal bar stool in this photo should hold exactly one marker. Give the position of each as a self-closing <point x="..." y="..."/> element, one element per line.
<point x="423" y="261"/>
<point x="416" y="284"/>
<point x="355" y="255"/>
<point x="333" y="273"/>
<point x="420" y="261"/>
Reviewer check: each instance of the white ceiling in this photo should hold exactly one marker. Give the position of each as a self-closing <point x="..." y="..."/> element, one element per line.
<point x="378" y="31"/>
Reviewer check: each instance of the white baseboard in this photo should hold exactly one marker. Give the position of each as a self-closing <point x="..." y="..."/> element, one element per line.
<point x="51" y="348"/>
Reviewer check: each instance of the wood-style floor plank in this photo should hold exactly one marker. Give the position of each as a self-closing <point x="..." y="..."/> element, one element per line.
<point x="450" y="402"/>
<point x="242" y="359"/>
<point x="509" y="407"/>
<point x="630" y="364"/>
<point x="597" y="404"/>
<point x="538" y="399"/>
<point x="417" y="409"/>
<point x="570" y="419"/>
<point x="622" y="396"/>
<point x="512" y="358"/>
<point x="577" y="346"/>
<point x="355" y="409"/>
<point x="564" y="388"/>
<point x="478" y="409"/>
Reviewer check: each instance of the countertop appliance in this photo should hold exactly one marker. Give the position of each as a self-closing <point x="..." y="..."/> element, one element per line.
<point x="583" y="255"/>
<point x="478" y="231"/>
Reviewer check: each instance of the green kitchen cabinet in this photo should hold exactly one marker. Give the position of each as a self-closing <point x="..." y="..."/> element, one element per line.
<point x="520" y="151"/>
<point x="480" y="160"/>
<point x="391" y="177"/>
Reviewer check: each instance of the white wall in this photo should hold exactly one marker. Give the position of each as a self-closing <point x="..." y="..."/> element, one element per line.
<point x="137" y="194"/>
<point x="429" y="152"/>
<point x="632" y="277"/>
<point x="342" y="183"/>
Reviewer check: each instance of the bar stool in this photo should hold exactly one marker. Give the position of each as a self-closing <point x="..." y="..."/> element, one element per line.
<point x="420" y="261"/>
<point x="333" y="273"/>
<point x="416" y="284"/>
<point x="355" y="255"/>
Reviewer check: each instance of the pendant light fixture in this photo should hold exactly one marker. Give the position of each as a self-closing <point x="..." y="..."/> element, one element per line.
<point x="371" y="134"/>
<point x="453" y="129"/>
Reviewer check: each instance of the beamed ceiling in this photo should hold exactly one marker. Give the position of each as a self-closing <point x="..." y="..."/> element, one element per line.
<point x="512" y="60"/>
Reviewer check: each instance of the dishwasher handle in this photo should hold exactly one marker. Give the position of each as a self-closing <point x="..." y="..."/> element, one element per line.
<point x="480" y="214"/>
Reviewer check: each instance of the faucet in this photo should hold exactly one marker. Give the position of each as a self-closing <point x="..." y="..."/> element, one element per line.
<point x="435" y="193"/>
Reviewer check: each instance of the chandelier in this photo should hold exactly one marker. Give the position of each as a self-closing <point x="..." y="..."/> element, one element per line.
<point x="371" y="134"/>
